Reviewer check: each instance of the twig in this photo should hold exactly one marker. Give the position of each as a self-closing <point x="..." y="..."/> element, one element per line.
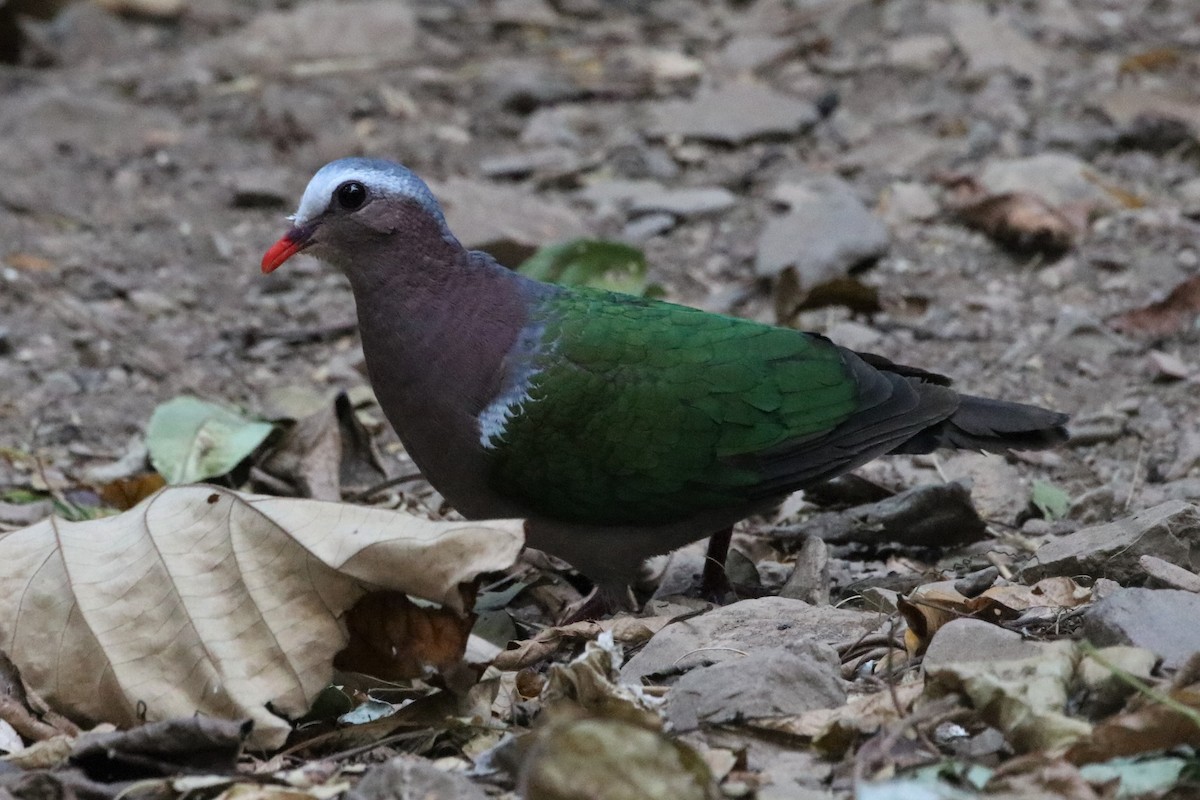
<point x="366" y="494"/>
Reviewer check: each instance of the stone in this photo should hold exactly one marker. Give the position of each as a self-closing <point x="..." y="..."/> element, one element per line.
<point x="777" y="681"/>
<point x="990" y="43"/>
<point x="809" y="580"/>
<point x="753" y="52"/>
<point x="733" y="114"/>
<point x="921" y="53"/>
<point x="1189" y="197"/>
<point x="966" y="640"/>
<point x="551" y="160"/>
<point x="684" y="202"/>
<point x="741" y="628"/>
<point x="1163" y="621"/>
<point x="323" y="30"/>
<point x="827" y="232"/>
<point x="647" y="227"/>
<point x="1126" y="106"/>
<point x="412" y="778"/>
<point x="1058" y="178"/>
<point x="1169" y="531"/>
<point x="936" y="514"/>
<point x="505" y="221"/>
<point x="906" y="201"/>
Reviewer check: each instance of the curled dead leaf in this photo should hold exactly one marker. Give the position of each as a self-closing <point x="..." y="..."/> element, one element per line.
<point x="393" y="638"/>
<point x="1174" y="314"/>
<point x="205" y="600"/>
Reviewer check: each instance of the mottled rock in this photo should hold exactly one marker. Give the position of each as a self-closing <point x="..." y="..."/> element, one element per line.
<point x="1058" y="178"/>
<point x="733" y="114"/>
<point x="321" y="30"/>
<point x="506" y="221"/>
<point x="1170" y="531"/>
<point x="827" y="232"/>
<point x="742" y="628"/>
<point x="920" y="53"/>
<point x="773" y="682"/>
<point x="413" y="778"/>
<point x="991" y="43"/>
<point x="965" y="640"/>
<point x="684" y="202"/>
<point x="1163" y="621"/>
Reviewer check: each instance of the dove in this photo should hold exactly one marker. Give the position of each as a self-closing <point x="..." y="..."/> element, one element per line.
<point x="618" y="427"/>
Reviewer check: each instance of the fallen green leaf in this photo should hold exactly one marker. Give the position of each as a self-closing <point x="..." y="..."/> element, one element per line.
<point x="595" y="263"/>
<point x="190" y="439"/>
<point x="1047" y="498"/>
<point x="1151" y="777"/>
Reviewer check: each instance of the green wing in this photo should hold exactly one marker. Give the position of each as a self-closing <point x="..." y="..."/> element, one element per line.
<point x="641" y="411"/>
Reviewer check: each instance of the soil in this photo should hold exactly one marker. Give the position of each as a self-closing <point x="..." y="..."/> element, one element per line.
<point x="148" y="163"/>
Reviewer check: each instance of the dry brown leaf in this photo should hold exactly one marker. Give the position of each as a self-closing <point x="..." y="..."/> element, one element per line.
<point x="627" y="631"/>
<point x="393" y="638"/>
<point x="1000" y="603"/>
<point x="205" y="600"/>
<point x="1153" y="726"/>
<point x="28" y="262"/>
<point x="926" y="609"/>
<point x="1172" y="315"/>
<point x="1156" y="59"/>
<point x="1022" y="222"/>
<point x="1041" y="775"/>
<point x="125" y="493"/>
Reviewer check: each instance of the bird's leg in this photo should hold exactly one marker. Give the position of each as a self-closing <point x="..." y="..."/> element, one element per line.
<point x="602" y="601"/>
<point x="714" y="583"/>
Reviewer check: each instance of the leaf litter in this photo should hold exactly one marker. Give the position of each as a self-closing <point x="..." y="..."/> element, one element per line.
<point x="946" y="728"/>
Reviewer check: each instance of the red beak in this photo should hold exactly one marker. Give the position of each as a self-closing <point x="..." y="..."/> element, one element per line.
<point x="288" y="245"/>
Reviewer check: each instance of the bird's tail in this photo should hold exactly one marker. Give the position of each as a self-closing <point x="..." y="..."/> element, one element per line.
<point x="996" y="426"/>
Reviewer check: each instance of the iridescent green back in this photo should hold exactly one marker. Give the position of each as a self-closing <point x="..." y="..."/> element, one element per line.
<point x="640" y="409"/>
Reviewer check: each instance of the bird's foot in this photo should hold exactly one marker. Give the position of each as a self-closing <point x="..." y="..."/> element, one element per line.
<point x="602" y="601"/>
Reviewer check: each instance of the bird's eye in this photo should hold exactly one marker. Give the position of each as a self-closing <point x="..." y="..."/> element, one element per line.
<point x="350" y="195"/>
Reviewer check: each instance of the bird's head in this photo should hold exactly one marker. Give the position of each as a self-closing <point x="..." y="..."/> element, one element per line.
<point x="354" y="206"/>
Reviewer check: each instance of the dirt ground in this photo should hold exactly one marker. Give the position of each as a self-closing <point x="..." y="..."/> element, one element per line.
<point x="149" y="162"/>
<point x="149" y="156"/>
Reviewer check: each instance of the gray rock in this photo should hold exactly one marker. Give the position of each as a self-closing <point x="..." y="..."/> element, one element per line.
<point x="552" y="160"/>
<point x="774" y="682"/>
<point x="1163" y="621"/>
<point x="933" y="514"/>
<point x="1189" y="196"/>
<point x="647" y="227"/>
<point x="413" y="778"/>
<point x="262" y="187"/>
<point x="505" y="221"/>
<point x="735" y="630"/>
<point x="608" y="194"/>
<point x="976" y="640"/>
<point x="1058" y="178"/>
<point x="921" y="53"/>
<point x="322" y="30"/>
<point x="684" y="202"/>
<point x="809" y="580"/>
<point x="752" y="52"/>
<point x="991" y="44"/>
<point x="827" y="232"/>
<point x="1170" y="531"/>
<point x="906" y="201"/>
<point x="733" y="114"/>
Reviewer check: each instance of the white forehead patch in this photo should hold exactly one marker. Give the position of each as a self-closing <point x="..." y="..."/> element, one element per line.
<point x="379" y="176"/>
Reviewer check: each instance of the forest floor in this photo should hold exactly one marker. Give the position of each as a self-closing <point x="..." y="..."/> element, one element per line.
<point x="1007" y="187"/>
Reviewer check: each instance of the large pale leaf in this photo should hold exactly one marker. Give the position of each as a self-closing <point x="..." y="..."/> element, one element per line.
<point x="206" y="600"/>
<point x="190" y="439"/>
